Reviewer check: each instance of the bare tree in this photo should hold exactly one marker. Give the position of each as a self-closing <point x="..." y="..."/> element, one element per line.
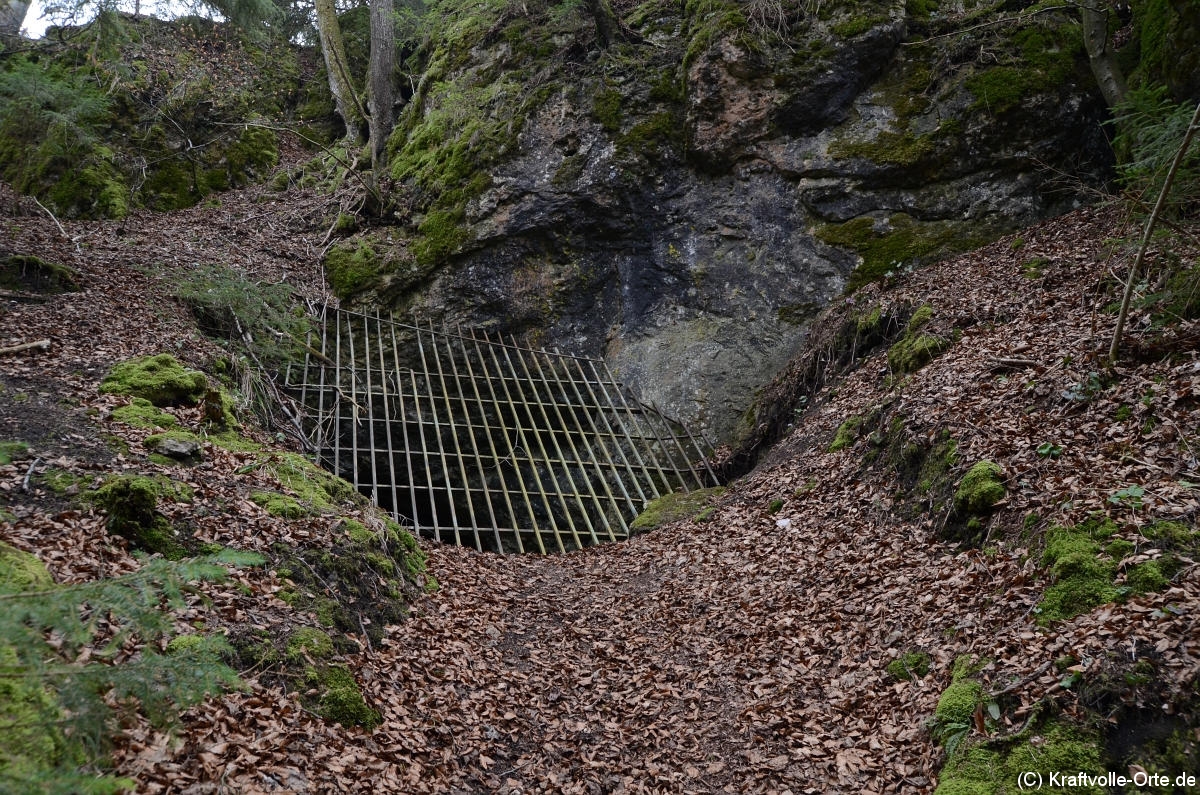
<point x="1095" y="18"/>
<point x="333" y="48"/>
<point x="379" y="80"/>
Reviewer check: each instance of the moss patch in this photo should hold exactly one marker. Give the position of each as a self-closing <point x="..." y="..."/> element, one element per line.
<point x="890" y="245"/>
<point x="11" y="451"/>
<point x="350" y="269"/>
<point x="981" y="488"/>
<point x="310" y="642"/>
<point x="1083" y="574"/>
<point x="340" y="700"/>
<point x="916" y="348"/>
<point x="131" y="502"/>
<point x="141" y="413"/>
<point x="846" y="434"/>
<point x="280" y="505"/>
<point x="160" y="379"/>
<point x="992" y="768"/>
<point x="910" y="665"/>
<point x="27" y="273"/>
<point x="674" y="507"/>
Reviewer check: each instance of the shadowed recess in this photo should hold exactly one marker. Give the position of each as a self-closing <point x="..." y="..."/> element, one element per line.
<point x="482" y="442"/>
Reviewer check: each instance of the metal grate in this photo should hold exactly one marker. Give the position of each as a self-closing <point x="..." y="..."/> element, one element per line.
<point x="485" y="442"/>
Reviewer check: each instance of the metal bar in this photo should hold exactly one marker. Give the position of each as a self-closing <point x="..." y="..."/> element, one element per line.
<point x="548" y="428"/>
<point x="671" y="435"/>
<point x="462" y="465"/>
<point x="426" y="462"/>
<point x="614" y="435"/>
<point x="408" y="467"/>
<point x="371" y="414"/>
<point x="512" y="454"/>
<point x="595" y="434"/>
<point x="483" y="478"/>
<point x="562" y="423"/>
<point x="441" y="446"/>
<point x="525" y="444"/>
<point x="319" y="430"/>
<point x="337" y="385"/>
<point x="387" y="419"/>
<point x="354" y="407"/>
<point x="649" y="450"/>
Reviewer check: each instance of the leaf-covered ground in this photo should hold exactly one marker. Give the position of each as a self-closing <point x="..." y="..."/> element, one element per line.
<point x="743" y="653"/>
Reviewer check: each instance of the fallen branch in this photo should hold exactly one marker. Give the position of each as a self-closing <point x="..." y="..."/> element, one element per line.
<point x="29" y="474"/>
<point x="40" y="345"/>
<point x="1013" y="364"/>
<point x="52" y="218"/>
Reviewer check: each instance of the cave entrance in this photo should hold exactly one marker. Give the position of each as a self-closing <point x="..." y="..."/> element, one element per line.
<point x="483" y="442"/>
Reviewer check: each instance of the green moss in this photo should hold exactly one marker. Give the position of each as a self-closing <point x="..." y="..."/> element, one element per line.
<point x="21" y="571"/>
<point x="911" y="353"/>
<point x="255" y="150"/>
<point x="1147" y="577"/>
<point x="141" y="413"/>
<point x="846" y="434"/>
<point x="1083" y="575"/>
<point x="919" y="319"/>
<point x="341" y="700"/>
<point x="606" y="109"/>
<point x="707" y="21"/>
<point x="1174" y="536"/>
<point x="674" y="507"/>
<point x="888" y="246"/>
<point x="280" y="505"/>
<point x="312" y="484"/>
<point x="957" y="704"/>
<point x="442" y="232"/>
<point x="889" y="146"/>
<point x="981" y="488"/>
<point x="992" y="768"/>
<point x="1119" y="548"/>
<point x="10" y="451"/>
<point x="155" y="440"/>
<point x="310" y="642"/>
<point x="131" y="503"/>
<point x="27" y="273"/>
<point x="659" y="133"/>
<point x="910" y="665"/>
<point x="61" y="481"/>
<point x="357" y="531"/>
<point x="350" y="269"/>
<point x="184" y="644"/>
<point x="160" y="379"/>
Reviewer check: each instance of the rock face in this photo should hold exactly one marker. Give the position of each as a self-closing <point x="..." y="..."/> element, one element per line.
<point x="683" y="202"/>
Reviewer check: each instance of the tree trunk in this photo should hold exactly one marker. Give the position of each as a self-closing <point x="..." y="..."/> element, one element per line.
<point x="383" y="63"/>
<point x="1103" y="60"/>
<point x="608" y="29"/>
<point x="340" y="84"/>
<point x="12" y="16"/>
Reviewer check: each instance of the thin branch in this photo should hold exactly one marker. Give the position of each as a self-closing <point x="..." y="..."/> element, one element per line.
<point x="1015" y="18"/>
<point x="1115" y="347"/>
<point x="52" y="218"/>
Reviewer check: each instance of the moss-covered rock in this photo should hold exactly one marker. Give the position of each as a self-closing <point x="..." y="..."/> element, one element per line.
<point x="846" y="434"/>
<point x="27" y="273"/>
<point x="280" y="505"/>
<point x="21" y="571"/>
<point x="980" y="489"/>
<point x="351" y="268"/>
<point x="674" y="507"/>
<point x="131" y="502"/>
<point x="992" y="768"/>
<point x="958" y="702"/>
<point x="160" y="379"/>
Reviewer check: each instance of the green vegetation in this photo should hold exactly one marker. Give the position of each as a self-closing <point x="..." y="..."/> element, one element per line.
<point x="606" y="107"/>
<point x="309" y="642"/>
<point x="141" y="413"/>
<point x="131" y="502"/>
<point x="675" y="507"/>
<point x="340" y="700"/>
<point x="9" y="451"/>
<point x="992" y="768"/>
<point x="846" y="434"/>
<point x="910" y="665"/>
<point x="58" y="702"/>
<point x="160" y="379"/>
<point x="1083" y="575"/>
<point x="351" y="268"/>
<point x="916" y="349"/>
<point x="1040" y="59"/>
<point x="27" y="273"/>
<point x="280" y="505"/>
<point x="981" y="488"/>
<point x="888" y="246"/>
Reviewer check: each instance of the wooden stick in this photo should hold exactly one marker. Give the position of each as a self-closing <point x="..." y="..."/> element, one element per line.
<point x="40" y="345"/>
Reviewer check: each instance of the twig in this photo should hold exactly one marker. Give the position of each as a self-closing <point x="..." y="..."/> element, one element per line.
<point x="1015" y="18"/>
<point x="29" y="474"/>
<point x="40" y="345"/>
<point x="1115" y="348"/>
<point x="52" y="218"/>
<point x="1015" y="364"/>
<point x="1015" y="685"/>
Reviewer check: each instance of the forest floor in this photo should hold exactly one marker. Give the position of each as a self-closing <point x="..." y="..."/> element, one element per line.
<point x="745" y="652"/>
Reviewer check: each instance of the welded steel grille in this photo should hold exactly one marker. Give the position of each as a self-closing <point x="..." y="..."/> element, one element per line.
<point x="485" y="442"/>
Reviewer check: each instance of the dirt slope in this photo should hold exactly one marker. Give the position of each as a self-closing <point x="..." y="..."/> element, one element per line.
<point x="743" y="653"/>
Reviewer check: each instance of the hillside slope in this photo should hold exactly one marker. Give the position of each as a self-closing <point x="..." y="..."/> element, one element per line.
<point x="747" y="651"/>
